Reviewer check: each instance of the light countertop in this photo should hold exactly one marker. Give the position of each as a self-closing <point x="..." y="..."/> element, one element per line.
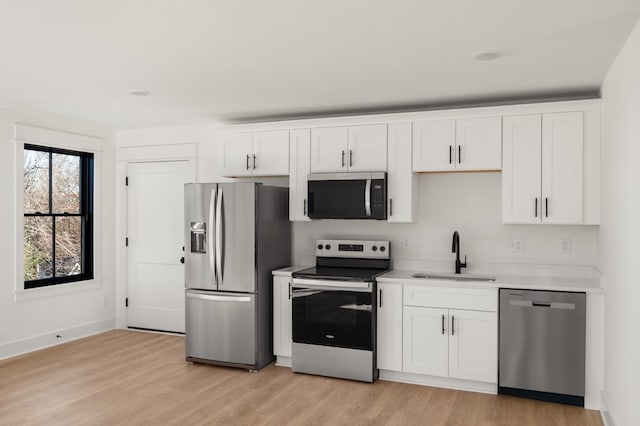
<point x="533" y="282"/>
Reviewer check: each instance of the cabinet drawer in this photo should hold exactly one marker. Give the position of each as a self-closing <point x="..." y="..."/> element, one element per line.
<point x="476" y="299"/>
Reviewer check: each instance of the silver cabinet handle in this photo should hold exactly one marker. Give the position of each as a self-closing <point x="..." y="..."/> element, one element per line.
<point x="367" y="198"/>
<point x="459" y="154"/>
<point x="304" y="207"/>
<point x="442" y="323"/>
<point x="254" y="161"/>
<point x="219" y="225"/>
<point x="450" y="153"/>
<point x="350" y="158"/>
<point x="343" y="158"/>
<point x="390" y="207"/>
<point x="289" y="290"/>
<point x="453" y="325"/>
<point x="247" y="161"/>
<point x="380" y="292"/>
<point x="219" y="298"/>
<point x="212" y="265"/>
<point x="535" y="209"/>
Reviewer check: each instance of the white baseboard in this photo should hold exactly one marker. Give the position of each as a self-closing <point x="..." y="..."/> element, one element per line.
<point x="607" y="418"/>
<point x="439" y="382"/>
<point x="283" y="361"/>
<point x="30" y="344"/>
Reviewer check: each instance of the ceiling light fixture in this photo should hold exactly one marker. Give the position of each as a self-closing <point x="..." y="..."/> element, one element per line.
<point x="486" y="55"/>
<point x="139" y="92"/>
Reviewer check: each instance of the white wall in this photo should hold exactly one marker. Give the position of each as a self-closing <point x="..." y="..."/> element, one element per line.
<point x="34" y="320"/>
<point x="620" y="231"/>
<point x="471" y="204"/>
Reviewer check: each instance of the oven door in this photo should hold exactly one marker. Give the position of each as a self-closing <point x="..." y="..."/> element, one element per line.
<point x="333" y="313"/>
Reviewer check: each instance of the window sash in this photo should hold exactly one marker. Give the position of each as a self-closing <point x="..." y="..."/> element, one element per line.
<point x="85" y="212"/>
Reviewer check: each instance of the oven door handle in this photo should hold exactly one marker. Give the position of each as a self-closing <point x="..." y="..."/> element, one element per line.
<point x="304" y="292"/>
<point x="317" y="283"/>
<point x="319" y="289"/>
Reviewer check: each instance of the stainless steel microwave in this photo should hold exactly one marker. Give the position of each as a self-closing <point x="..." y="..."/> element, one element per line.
<point x="347" y="195"/>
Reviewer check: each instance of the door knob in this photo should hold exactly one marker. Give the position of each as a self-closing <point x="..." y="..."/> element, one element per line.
<point x="182" y="259"/>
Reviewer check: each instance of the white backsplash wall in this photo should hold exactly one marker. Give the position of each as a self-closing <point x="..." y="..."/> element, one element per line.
<point x="469" y="203"/>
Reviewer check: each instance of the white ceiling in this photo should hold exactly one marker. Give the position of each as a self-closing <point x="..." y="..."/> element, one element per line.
<point x="239" y="60"/>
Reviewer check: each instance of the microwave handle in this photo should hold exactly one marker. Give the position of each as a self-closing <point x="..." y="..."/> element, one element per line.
<point x="367" y="198"/>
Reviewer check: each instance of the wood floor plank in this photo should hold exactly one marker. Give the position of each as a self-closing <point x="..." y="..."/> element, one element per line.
<point x="137" y="378"/>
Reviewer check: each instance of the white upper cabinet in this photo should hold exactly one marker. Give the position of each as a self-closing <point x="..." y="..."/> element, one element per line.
<point x="434" y="145"/>
<point x="344" y="149"/>
<point x="300" y="161"/>
<point x="236" y="154"/>
<point x="402" y="183"/>
<point x="329" y="149"/>
<point x="562" y="163"/>
<point x="368" y="148"/>
<point x="479" y="143"/>
<point x="521" y="171"/>
<point x="255" y="154"/>
<point x="542" y="179"/>
<point x="463" y="144"/>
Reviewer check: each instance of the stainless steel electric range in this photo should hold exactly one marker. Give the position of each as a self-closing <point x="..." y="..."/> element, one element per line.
<point x="333" y="309"/>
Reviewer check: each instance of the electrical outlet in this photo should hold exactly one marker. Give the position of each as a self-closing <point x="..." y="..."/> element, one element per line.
<point x="517" y="245"/>
<point x="404" y="243"/>
<point x="565" y="245"/>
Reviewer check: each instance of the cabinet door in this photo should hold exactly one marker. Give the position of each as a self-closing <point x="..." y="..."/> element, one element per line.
<point x="271" y="153"/>
<point x="368" y="148"/>
<point x="389" y="342"/>
<point x="473" y="345"/>
<point x="479" y="143"/>
<point x="329" y="149"/>
<point x="402" y="183"/>
<point x="562" y="162"/>
<point x="281" y="316"/>
<point x="236" y="154"/>
<point x="521" y="169"/>
<point x="300" y="162"/>
<point x="425" y="341"/>
<point x="433" y="145"/>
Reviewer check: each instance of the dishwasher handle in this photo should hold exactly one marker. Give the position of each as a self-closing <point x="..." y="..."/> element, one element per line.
<point x="535" y="304"/>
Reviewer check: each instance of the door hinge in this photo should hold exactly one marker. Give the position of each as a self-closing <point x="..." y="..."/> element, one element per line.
<point x="126" y="302"/>
<point x="126" y="242"/>
<point x="126" y="181"/>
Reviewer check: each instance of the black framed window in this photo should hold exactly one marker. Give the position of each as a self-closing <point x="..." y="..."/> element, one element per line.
<point x="58" y="216"/>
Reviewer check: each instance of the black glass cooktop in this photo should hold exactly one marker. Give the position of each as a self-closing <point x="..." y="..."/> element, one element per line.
<point x="341" y="274"/>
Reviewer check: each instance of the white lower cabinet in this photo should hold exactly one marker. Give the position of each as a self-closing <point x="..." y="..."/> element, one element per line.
<point x="389" y="327"/>
<point x="442" y="340"/>
<point x="282" y="316"/>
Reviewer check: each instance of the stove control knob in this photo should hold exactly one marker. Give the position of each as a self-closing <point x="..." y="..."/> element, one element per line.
<point x="382" y="248"/>
<point x="319" y="246"/>
<point x="374" y="248"/>
<point x="327" y="246"/>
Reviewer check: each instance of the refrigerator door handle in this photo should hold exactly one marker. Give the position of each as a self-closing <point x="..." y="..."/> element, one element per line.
<point x="219" y="240"/>
<point x="212" y="265"/>
<point x="219" y="298"/>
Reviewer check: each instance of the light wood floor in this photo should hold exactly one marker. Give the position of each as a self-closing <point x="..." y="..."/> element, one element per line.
<point x="127" y="377"/>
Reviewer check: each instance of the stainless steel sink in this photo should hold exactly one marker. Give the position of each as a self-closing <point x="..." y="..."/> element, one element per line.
<point x="454" y="277"/>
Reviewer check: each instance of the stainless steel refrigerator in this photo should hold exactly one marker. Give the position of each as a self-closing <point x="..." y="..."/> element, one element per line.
<point x="235" y="235"/>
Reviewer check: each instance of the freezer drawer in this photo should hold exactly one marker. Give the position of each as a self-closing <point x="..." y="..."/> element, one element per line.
<point x="221" y="327"/>
<point x="542" y="345"/>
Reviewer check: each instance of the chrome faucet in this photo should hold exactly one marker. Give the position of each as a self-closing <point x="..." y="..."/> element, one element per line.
<point x="455" y="248"/>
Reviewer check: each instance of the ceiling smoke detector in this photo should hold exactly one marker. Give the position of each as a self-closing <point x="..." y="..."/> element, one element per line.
<point x="486" y="55"/>
<point x="139" y="92"/>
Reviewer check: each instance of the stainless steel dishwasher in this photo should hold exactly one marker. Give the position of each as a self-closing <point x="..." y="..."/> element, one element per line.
<point x="542" y="343"/>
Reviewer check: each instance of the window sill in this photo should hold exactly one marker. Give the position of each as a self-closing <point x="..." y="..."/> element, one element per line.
<point x="55" y="290"/>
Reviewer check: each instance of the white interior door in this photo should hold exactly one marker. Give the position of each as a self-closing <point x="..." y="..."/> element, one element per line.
<point x="155" y="216"/>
